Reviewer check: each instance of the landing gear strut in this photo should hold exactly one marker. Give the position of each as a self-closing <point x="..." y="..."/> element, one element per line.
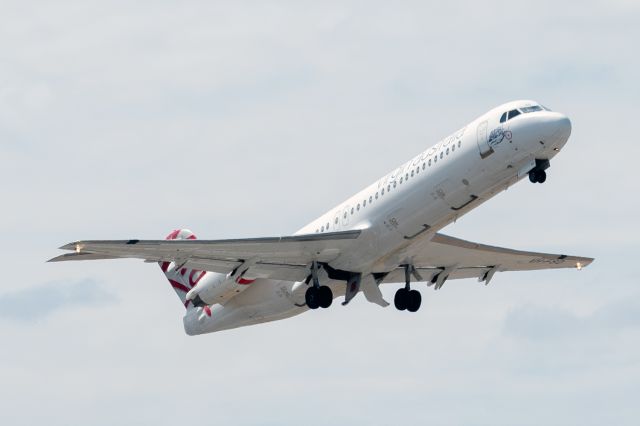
<point x="538" y="174"/>
<point x="317" y="296"/>
<point x="406" y="298"/>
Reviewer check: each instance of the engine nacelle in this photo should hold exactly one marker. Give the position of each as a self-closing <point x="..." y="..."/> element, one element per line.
<point x="217" y="288"/>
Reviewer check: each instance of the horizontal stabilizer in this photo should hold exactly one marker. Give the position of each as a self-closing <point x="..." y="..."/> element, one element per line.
<point x="81" y="256"/>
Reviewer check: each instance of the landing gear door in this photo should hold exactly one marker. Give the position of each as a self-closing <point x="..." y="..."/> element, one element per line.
<point x="483" y="145"/>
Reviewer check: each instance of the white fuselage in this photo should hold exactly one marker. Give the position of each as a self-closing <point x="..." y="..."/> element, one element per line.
<point x="407" y="206"/>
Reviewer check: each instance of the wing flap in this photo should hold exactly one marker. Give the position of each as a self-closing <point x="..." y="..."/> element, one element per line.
<point x="283" y="258"/>
<point x="465" y="259"/>
<point x="444" y="250"/>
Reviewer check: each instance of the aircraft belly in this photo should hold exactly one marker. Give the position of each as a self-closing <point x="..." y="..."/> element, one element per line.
<point x="264" y="301"/>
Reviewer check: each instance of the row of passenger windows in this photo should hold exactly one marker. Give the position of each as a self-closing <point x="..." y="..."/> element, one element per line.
<point x="390" y="186"/>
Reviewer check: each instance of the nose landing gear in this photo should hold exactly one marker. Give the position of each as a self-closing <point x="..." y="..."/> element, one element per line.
<point x="538" y="174"/>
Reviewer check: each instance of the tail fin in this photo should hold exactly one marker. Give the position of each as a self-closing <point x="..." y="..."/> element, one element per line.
<point x="181" y="279"/>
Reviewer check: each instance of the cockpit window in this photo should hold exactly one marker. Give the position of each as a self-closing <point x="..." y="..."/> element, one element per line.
<point x="503" y="118"/>
<point x="532" y="108"/>
<point x="513" y="113"/>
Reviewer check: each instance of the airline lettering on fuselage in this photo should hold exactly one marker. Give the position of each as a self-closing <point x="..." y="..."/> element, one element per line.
<point x="422" y="157"/>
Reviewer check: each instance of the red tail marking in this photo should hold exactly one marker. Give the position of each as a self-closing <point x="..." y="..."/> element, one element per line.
<point x="177" y="285"/>
<point x="207" y="310"/>
<point x="192" y="280"/>
<point x="173" y="235"/>
<point x="244" y="281"/>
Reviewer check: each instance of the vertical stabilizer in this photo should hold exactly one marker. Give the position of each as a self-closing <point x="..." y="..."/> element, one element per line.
<point x="181" y="279"/>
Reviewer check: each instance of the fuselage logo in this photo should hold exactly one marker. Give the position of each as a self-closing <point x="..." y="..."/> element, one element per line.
<point x="497" y="135"/>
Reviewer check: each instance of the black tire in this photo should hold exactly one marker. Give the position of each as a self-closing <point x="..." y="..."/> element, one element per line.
<point x="533" y="176"/>
<point x="400" y="299"/>
<point x="542" y="176"/>
<point x="414" y="301"/>
<point x="311" y="297"/>
<point x="325" y="296"/>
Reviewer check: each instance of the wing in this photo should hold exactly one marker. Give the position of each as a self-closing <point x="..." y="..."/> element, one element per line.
<point x="446" y="257"/>
<point x="284" y="258"/>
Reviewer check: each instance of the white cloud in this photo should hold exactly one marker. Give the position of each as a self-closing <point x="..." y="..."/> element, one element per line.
<point x="33" y="304"/>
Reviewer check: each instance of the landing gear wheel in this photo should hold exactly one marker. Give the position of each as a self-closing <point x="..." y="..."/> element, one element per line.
<point x="401" y="298"/>
<point x="311" y="297"/>
<point x="325" y="296"/>
<point x="414" y="301"/>
<point x="533" y="176"/>
<point x="541" y="176"/>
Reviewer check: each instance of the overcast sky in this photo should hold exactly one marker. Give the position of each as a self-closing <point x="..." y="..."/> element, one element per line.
<point x="241" y="119"/>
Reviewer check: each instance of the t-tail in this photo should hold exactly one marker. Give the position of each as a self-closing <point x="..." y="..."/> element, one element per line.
<point x="181" y="279"/>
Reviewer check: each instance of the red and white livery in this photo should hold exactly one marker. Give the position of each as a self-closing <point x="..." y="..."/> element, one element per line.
<point x="386" y="233"/>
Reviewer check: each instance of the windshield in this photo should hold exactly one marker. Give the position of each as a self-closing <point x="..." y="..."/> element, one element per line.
<point x="533" y="108"/>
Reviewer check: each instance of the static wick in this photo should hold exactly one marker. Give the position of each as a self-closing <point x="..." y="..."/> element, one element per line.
<point x="579" y="266"/>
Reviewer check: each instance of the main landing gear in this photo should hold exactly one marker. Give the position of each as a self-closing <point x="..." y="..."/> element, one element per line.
<point x="406" y="298"/>
<point x="317" y="296"/>
<point x="538" y="174"/>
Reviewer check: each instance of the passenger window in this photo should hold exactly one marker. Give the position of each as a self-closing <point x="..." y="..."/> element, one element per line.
<point x="453" y="147"/>
<point x="424" y="166"/>
<point x="364" y="203"/>
<point x="370" y="199"/>
<point x="345" y="215"/>
<point x="406" y="177"/>
<point x="401" y="181"/>
<point x="395" y="183"/>
<point x="358" y="207"/>
<point x="503" y="118"/>
<point x="351" y="210"/>
<point x="513" y="113"/>
<point x="459" y="144"/>
<point x="447" y="151"/>
<point x="429" y="162"/>
<point x="336" y="221"/>
<point x="382" y="193"/>
<point x="388" y="188"/>
<point x="327" y="226"/>
<point x="377" y="195"/>
<point x="435" y="159"/>
<point x="441" y="155"/>
<point x="322" y="229"/>
<point x="411" y="173"/>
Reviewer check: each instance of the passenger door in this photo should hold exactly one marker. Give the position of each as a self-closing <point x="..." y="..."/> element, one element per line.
<point x="483" y="145"/>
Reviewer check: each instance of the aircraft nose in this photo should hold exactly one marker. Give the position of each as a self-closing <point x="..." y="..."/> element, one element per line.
<point x="558" y="126"/>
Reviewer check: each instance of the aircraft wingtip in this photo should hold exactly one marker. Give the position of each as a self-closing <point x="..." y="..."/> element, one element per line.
<point x="70" y="246"/>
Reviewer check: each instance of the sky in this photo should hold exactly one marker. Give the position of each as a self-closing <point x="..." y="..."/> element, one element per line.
<point x="244" y="119"/>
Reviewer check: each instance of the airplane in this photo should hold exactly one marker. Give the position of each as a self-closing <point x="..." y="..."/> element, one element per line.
<point x="386" y="233"/>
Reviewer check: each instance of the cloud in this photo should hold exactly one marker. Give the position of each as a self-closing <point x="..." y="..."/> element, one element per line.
<point x="38" y="302"/>
<point x="535" y="322"/>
